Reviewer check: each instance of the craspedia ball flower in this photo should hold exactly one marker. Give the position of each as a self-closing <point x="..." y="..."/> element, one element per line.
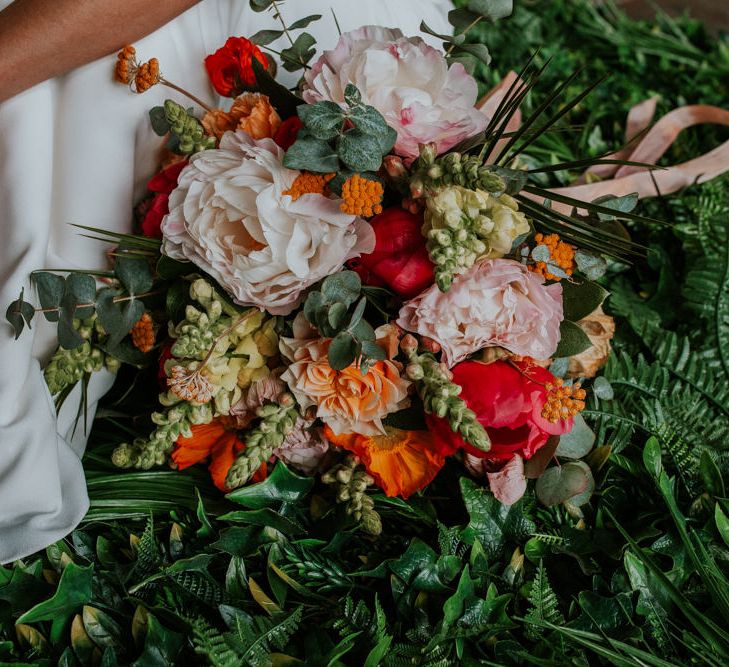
<point x="230" y="68"/>
<point x="143" y="333"/>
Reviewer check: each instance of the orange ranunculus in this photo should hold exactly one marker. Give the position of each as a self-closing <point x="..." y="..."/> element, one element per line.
<point x="251" y="112"/>
<point x="401" y="462"/>
<point x="213" y="441"/>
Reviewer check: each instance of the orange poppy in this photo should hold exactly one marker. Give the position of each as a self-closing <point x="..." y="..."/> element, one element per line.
<point x="401" y="462"/>
<point x="213" y="441"/>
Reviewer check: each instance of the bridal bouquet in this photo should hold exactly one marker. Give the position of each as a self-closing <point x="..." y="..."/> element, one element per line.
<point x="360" y="277"/>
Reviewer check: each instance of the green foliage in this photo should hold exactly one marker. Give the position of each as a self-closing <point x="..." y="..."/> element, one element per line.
<point x="544" y="605"/>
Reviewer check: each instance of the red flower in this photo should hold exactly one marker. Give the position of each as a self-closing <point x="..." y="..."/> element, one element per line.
<point x="230" y="68"/>
<point x="218" y="444"/>
<point x="287" y="132"/>
<point x="164" y="355"/>
<point x="400" y="260"/>
<point x="162" y="184"/>
<point x="508" y="402"/>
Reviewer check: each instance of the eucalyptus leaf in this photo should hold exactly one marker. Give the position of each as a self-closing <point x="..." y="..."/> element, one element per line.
<point x="299" y="53"/>
<point x="344" y="287"/>
<point x="51" y="288"/>
<point x="19" y="313"/>
<point x="578" y="442"/>
<point x="561" y="482"/>
<point x="264" y="37"/>
<point x="591" y="265"/>
<point x="158" y="119"/>
<point x="342" y="351"/>
<point x="134" y="273"/>
<point x="305" y="21"/>
<point x="602" y="388"/>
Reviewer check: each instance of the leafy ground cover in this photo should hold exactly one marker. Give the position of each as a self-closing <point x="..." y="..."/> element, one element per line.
<point x="165" y="571"/>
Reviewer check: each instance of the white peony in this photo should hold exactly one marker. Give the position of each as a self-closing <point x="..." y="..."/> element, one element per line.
<point x="407" y="81"/>
<point x="229" y="216"/>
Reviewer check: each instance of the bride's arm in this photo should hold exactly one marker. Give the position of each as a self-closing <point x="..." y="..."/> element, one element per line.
<point x="40" y="39"/>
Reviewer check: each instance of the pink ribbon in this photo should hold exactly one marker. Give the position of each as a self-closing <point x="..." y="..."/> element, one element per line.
<point x="618" y="180"/>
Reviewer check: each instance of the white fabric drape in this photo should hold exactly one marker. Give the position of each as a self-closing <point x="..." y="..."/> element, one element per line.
<point x="79" y="149"/>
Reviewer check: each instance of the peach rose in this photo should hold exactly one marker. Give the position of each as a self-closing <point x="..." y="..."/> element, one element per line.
<point x="251" y="112"/>
<point x="346" y="400"/>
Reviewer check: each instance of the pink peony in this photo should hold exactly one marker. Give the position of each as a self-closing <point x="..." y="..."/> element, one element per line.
<point x="407" y="81"/>
<point x="230" y="217"/>
<point x="304" y="448"/>
<point x="497" y="302"/>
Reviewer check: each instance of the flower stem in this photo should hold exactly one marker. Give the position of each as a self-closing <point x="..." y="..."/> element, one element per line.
<point x="197" y="100"/>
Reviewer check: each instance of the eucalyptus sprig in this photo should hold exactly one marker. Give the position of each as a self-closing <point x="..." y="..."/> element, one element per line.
<point x="343" y="141"/>
<point x="336" y="309"/>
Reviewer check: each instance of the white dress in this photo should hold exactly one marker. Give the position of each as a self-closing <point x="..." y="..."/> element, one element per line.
<point x="79" y="149"/>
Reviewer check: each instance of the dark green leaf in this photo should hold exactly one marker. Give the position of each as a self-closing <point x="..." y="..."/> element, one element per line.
<point x="117" y="318"/>
<point x="260" y="5"/>
<point x="176" y="300"/>
<point x="652" y="457"/>
<point x="357" y="314"/>
<point x="342" y="351"/>
<point x="168" y="268"/>
<point x="359" y="151"/>
<point x="311" y="154"/>
<point x="133" y="273"/>
<point x="264" y="517"/>
<point x="299" y="53"/>
<point x="580" y="299"/>
<point x="337" y="316"/>
<point x="74" y="591"/>
<point x="323" y="120"/>
<point x="158" y="118"/>
<point x="263" y="37"/>
<point x="560" y="483"/>
<point x="711" y="475"/>
<point x="372" y="350"/>
<point x="161" y="645"/>
<point x="573" y="340"/>
<point x="19" y="313"/>
<point x="80" y="290"/>
<point x="491" y="10"/>
<point x="50" y="288"/>
<point x="303" y="22"/>
<point x="281" y="486"/>
<point x="343" y="287"/>
<point x="283" y="100"/>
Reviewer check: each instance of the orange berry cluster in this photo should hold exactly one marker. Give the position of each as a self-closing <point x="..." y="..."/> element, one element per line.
<point x="307" y="183"/>
<point x="143" y="333"/>
<point x="190" y="385"/>
<point x="128" y="71"/>
<point x="563" y="401"/>
<point x="125" y="65"/>
<point x="562" y="255"/>
<point x="362" y="196"/>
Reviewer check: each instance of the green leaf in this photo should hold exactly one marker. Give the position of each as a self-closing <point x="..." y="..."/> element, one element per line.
<point x="74" y="591"/>
<point x="491" y="10"/>
<point x="372" y="350"/>
<point x="593" y="266"/>
<point x="282" y="99"/>
<point x="580" y="299"/>
<point x="266" y="517"/>
<point x="311" y="154"/>
<point x="624" y="204"/>
<point x="343" y="287"/>
<point x="303" y="22"/>
<point x="722" y="523"/>
<point x="117" y="318"/>
<point x="352" y="96"/>
<point x="357" y="314"/>
<point x="133" y="273"/>
<point x="342" y="351"/>
<point x="103" y="630"/>
<point x="561" y="482"/>
<point x="337" y="316"/>
<point x="50" y="288"/>
<point x="578" y="442"/>
<point x="168" y="268"/>
<point x="359" y="151"/>
<point x="20" y="313"/>
<point x="260" y="5"/>
<point x="323" y="120"/>
<point x="299" y="53"/>
<point x="127" y="353"/>
<point x="573" y="340"/>
<point x="492" y="523"/>
<point x="80" y="289"/>
<point x="176" y="300"/>
<point x="602" y="388"/>
<point x="162" y="646"/>
<point x="652" y="457"/>
<point x="453" y="607"/>
<point x="158" y="119"/>
<point x="263" y="37"/>
<point x="281" y="486"/>
<point x="711" y="475"/>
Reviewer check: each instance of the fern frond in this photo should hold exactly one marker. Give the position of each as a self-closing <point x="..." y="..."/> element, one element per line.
<point x="543" y="604"/>
<point x="211" y="643"/>
<point x="256" y="639"/>
<point x="149" y="558"/>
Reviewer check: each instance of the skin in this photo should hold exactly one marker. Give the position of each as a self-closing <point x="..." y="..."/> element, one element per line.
<point x="41" y="39"/>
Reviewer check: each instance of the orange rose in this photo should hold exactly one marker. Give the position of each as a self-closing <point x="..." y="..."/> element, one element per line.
<point x="345" y="400"/>
<point x="401" y="462"/>
<point x="251" y="112"/>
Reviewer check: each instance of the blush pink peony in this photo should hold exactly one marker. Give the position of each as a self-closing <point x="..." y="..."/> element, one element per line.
<point x="407" y="81"/>
<point x="497" y="302"/>
<point x="230" y="217"/>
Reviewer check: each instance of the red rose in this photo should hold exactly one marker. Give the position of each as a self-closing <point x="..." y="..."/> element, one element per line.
<point x="230" y="68"/>
<point x="288" y="130"/>
<point x="508" y="403"/>
<point x="161" y="184"/>
<point x="400" y="260"/>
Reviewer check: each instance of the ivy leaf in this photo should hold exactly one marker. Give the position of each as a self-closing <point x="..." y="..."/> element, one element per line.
<point x="454" y="605"/>
<point x="323" y="120"/>
<point x="50" y="288"/>
<point x="134" y="274"/>
<point x="281" y="486"/>
<point x="299" y="53"/>
<point x="573" y="340"/>
<point x="311" y="154"/>
<point x="359" y="151"/>
<point x="491" y="523"/>
<point x="303" y="22"/>
<point x="580" y="299"/>
<point x="19" y="313"/>
<point x="342" y="351"/>
<point x="74" y="591"/>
